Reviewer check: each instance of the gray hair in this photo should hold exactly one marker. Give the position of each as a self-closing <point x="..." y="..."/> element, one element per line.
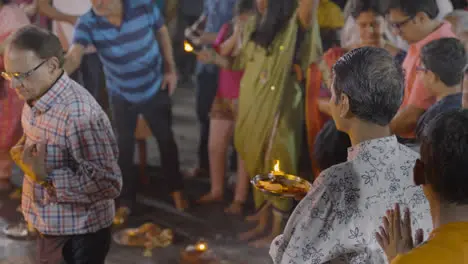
<point x="373" y="81"/>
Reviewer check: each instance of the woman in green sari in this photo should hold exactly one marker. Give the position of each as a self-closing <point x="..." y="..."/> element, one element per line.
<point x="281" y="41"/>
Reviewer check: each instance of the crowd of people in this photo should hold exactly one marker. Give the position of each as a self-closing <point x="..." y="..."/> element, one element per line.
<point x="363" y="98"/>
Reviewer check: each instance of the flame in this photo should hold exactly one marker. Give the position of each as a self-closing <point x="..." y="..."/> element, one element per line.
<point x="201" y="246"/>
<point x="188" y="47"/>
<point x="276" y="168"/>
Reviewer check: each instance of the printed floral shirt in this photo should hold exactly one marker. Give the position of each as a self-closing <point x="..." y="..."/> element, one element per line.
<point x="337" y="220"/>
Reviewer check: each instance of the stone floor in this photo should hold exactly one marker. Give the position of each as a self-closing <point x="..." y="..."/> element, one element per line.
<point x="206" y="222"/>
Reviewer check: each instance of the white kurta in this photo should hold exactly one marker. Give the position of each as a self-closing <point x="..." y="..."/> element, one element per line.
<point x="337" y="220"/>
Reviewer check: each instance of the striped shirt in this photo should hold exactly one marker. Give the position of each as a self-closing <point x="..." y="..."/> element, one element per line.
<point x="129" y="53"/>
<point x="81" y="161"/>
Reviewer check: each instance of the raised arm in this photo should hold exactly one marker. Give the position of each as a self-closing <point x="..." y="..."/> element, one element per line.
<point x="306" y="11"/>
<point x="47" y="9"/>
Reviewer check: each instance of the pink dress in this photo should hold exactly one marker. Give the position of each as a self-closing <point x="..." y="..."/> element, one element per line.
<point x="11" y="18"/>
<point x="225" y="103"/>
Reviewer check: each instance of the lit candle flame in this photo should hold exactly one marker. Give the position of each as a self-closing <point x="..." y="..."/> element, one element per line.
<point x="276" y="168"/>
<point x="201" y="246"/>
<point x="188" y="47"/>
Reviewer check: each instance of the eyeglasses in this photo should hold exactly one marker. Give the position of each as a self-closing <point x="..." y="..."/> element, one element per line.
<point x="399" y="25"/>
<point x="9" y="76"/>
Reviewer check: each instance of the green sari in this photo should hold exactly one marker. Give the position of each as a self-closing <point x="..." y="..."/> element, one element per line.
<point x="270" y="114"/>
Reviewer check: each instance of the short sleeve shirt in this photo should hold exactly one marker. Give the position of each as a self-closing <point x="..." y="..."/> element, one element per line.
<point x="130" y="54"/>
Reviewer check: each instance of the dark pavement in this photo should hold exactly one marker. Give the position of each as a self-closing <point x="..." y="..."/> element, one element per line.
<point x="207" y="222"/>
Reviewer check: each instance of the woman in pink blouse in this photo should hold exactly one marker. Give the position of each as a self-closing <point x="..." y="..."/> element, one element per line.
<point x="12" y="17"/>
<point x="223" y="114"/>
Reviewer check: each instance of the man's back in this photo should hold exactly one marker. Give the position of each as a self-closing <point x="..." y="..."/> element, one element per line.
<point x="338" y="218"/>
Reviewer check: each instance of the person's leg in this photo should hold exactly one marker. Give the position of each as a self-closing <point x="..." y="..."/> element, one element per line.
<point x="124" y="119"/>
<point x="241" y="191"/>
<point x="220" y="136"/>
<point x="205" y="94"/>
<point x="158" y="113"/>
<point x="93" y="76"/>
<point x="49" y="249"/>
<point x="88" y="248"/>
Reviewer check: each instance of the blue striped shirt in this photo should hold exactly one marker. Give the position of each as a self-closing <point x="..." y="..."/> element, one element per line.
<point x="130" y="53"/>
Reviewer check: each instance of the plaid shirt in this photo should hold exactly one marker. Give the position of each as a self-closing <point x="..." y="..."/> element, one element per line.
<point x="81" y="162"/>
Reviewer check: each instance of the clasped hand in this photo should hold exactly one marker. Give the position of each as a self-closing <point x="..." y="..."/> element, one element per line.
<point x="395" y="236"/>
<point x="33" y="160"/>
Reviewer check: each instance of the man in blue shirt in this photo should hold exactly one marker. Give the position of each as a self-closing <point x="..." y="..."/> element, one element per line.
<point x="216" y="13"/>
<point x="140" y="75"/>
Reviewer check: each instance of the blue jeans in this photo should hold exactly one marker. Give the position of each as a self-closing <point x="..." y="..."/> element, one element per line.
<point x="157" y="112"/>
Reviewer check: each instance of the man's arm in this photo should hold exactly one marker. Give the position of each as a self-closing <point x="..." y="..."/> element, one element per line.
<point x="46" y="8"/>
<point x="73" y="58"/>
<point x="81" y="40"/>
<point x="312" y="229"/>
<point x="93" y="146"/>
<point x="164" y="40"/>
<point x="406" y="120"/>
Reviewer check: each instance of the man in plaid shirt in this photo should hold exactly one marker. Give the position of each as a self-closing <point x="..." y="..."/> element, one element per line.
<point x="68" y="153"/>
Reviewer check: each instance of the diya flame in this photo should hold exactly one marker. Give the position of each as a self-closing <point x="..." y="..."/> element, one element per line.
<point x="188" y="47"/>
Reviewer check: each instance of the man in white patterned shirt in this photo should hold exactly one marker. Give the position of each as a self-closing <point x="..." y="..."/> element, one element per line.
<point x="68" y="153"/>
<point x="336" y="221"/>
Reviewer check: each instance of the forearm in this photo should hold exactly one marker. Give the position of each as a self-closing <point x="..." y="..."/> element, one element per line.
<point x="46" y="9"/>
<point x="224" y="62"/>
<point x="164" y="41"/>
<point x="405" y="121"/>
<point x="71" y="64"/>
<point x="86" y="185"/>
<point x="208" y="38"/>
<point x="229" y="45"/>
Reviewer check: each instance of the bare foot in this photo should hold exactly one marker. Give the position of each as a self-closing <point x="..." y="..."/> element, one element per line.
<point x="256" y="217"/>
<point x="249" y="235"/>
<point x="236" y="208"/>
<point x="253" y="218"/>
<point x="180" y="203"/>
<point x="264" y="242"/>
<point x="210" y="198"/>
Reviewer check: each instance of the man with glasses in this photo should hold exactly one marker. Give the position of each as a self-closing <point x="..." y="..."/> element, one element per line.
<point x="417" y="23"/>
<point x="68" y="153"/>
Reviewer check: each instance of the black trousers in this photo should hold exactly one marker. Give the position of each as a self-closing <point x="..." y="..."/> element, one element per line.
<point x="89" y="248"/>
<point x="157" y="112"/>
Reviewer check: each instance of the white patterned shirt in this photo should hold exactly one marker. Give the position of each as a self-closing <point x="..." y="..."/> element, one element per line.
<point x="337" y="220"/>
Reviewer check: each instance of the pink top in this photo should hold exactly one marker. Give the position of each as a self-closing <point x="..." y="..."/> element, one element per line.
<point x="415" y="93"/>
<point x="11" y="18"/>
<point x="229" y="81"/>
